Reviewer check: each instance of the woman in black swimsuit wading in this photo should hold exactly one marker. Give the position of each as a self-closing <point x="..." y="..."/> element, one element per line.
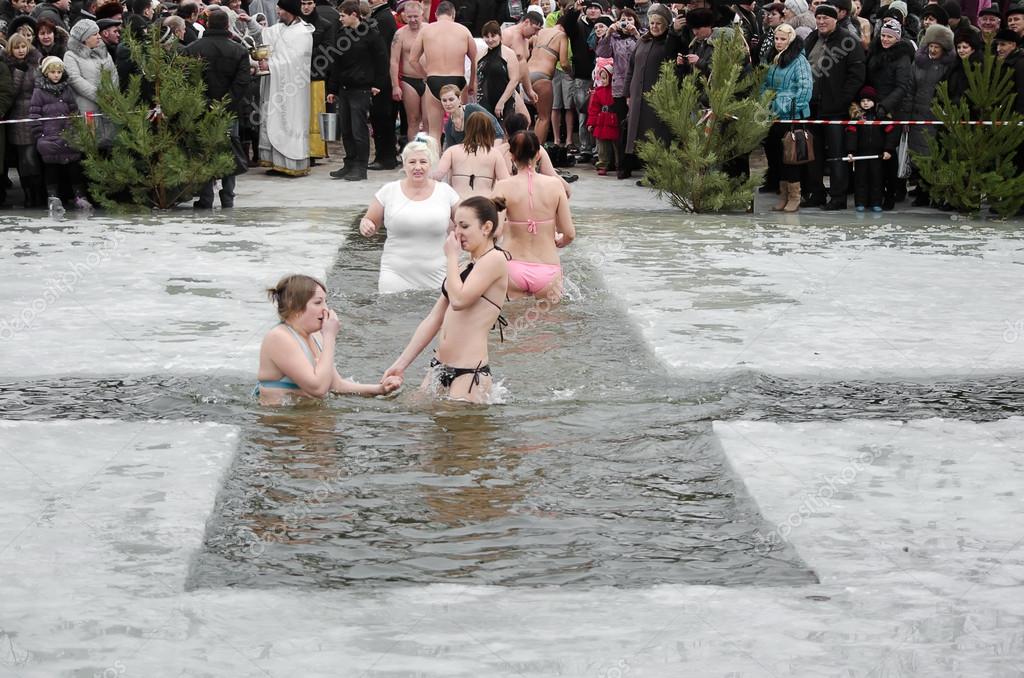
<point x="468" y="308"/>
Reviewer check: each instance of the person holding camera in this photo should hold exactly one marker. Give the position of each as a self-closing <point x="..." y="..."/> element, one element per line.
<point x="619" y="43"/>
<point x="579" y="24"/>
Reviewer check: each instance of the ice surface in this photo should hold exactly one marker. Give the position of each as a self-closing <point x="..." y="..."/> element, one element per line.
<point x="92" y="581"/>
<point x="110" y="296"/>
<point x="819" y="300"/>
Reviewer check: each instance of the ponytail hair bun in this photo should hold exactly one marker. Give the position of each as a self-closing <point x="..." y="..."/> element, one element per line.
<point x="292" y="293"/>
<point x="422" y="143"/>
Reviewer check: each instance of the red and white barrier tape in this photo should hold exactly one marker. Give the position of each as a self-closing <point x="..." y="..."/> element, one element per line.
<point x="88" y="117"/>
<point x="896" y="122"/>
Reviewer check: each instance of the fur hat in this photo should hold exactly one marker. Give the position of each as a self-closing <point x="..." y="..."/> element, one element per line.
<point x="19" y="21"/>
<point x="935" y="11"/>
<point x="701" y="17"/>
<point x="971" y="37"/>
<point x="83" y="29"/>
<point x="939" y="34"/>
<point x="899" y="6"/>
<point x="49" y="63"/>
<point x="797" y="7"/>
<point x="109" y="11"/>
<point x="1006" y="35"/>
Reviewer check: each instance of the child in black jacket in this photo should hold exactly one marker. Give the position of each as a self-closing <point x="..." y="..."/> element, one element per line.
<point x="880" y="141"/>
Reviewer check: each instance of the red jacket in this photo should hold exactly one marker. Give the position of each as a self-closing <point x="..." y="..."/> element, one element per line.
<point x="600" y="116"/>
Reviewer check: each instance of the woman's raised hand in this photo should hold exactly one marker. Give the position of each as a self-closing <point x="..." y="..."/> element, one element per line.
<point x="452" y="246"/>
<point x="330" y="325"/>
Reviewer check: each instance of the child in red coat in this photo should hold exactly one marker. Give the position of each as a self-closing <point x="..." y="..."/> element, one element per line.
<point x="601" y="119"/>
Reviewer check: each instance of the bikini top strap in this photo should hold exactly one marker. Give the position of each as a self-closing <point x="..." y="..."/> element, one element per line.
<point x="304" y="345"/>
<point x="531" y="223"/>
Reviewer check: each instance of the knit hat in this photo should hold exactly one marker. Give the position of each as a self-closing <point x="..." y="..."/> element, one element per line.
<point x="50" y="63"/>
<point x="293" y="7"/>
<point x="827" y="10"/>
<point x="701" y="17"/>
<point x="83" y="29"/>
<point x="868" y="92"/>
<point x="936" y="12"/>
<point x="797" y="7"/>
<point x="939" y="34"/>
<point x="892" y="28"/>
<point x="899" y="6"/>
<point x="658" y="9"/>
<point x="1006" y="35"/>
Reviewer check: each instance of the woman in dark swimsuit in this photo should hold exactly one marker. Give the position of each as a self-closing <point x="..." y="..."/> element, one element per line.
<point x="468" y="308"/>
<point x="472" y="167"/>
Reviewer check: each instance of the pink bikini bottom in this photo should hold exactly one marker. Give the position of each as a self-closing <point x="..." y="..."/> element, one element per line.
<point x="531" y="277"/>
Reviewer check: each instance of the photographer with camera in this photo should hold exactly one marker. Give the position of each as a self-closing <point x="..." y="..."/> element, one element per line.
<point x="619" y="43"/>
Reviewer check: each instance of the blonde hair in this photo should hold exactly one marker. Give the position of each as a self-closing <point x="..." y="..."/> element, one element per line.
<point x="17" y="40"/>
<point x="421" y="143"/>
<point x="451" y="88"/>
<point x="787" y="30"/>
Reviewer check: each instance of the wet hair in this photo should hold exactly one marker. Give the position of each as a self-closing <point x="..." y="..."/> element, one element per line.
<point x="479" y="133"/>
<point x="516" y="122"/>
<point x="524" y="147"/>
<point x="421" y="143"/>
<point x="451" y="88"/>
<point x="491" y="28"/>
<point x="445" y="8"/>
<point x="292" y="293"/>
<point x="485" y="209"/>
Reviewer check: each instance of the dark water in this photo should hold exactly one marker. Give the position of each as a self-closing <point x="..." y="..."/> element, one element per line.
<point x="597" y="468"/>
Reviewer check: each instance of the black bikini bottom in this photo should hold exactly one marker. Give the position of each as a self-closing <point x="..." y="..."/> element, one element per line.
<point x="416" y="83"/>
<point x="446" y="374"/>
<point x="436" y="82"/>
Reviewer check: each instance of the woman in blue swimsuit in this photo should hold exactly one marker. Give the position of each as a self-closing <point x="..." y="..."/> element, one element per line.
<point x="297" y="355"/>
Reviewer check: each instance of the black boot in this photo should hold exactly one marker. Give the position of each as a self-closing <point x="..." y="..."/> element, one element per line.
<point x="340" y="173"/>
<point x="357" y="173"/>
<point x="813" y="200"/>
<point x="227" y="199"/>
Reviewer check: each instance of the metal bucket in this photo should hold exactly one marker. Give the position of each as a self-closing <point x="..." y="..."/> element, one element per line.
<point x="329" y="126"/>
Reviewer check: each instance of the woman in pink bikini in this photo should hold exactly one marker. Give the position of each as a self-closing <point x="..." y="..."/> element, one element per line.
<point x="539" y="223"/>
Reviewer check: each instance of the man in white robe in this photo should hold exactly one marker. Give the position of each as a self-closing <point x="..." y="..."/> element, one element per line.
<point x="284" y="94"/>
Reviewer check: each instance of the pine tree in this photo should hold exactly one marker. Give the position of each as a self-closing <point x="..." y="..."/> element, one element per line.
<point x="971" y="164"/>
<point x="712" y="120"/>
<point x="168" y="143"/>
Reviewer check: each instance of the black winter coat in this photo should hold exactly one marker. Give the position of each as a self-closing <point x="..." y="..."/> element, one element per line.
<point x="891" y="73"/>
<point x="1015" y="63"/>
<point x="872" y="139"/>
<point x="52" y="100"/>
<point x="225" y="67"/>
<point x="323" y="35"/>
<point x="956" y="79"/>
<point x="835" y="88"/>
<point x="364" y="63"/>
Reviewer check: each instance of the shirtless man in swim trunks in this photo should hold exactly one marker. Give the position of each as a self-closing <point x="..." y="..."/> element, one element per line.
<point x="517" y="38"/>
<point x="550" y="46"/>
<point x="411" y="86"/>
<point x="443" y="47"/>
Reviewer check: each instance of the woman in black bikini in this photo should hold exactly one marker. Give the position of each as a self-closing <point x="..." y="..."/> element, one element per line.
<point x="472" y="167"/>
<point x="468" y="308"/>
